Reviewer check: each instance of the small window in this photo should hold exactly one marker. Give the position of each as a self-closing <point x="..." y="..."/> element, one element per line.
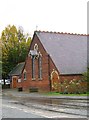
<point x="25" y="76"/>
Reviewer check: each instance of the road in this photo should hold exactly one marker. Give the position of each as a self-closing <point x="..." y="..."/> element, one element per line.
<point x="10" y="110"/>
<point x="13" y="109"/>
<point x="24" y="105"/>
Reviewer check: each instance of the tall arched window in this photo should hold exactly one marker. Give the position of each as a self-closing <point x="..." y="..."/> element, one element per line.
<point x="40" y="67"/>
<point x="25" y="76"/>
<point x="33" y="67"/>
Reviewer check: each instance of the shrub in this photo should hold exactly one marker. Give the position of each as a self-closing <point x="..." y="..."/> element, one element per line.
<point x="71" y="87"/>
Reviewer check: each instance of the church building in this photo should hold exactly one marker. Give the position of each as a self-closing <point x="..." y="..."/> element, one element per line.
<point x="52" y="58"/>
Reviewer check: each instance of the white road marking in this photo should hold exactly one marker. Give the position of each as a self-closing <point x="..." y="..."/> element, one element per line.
<point x="25" y="110"/>
<point x="41" y="113"/>
<point x="46" y="114"/>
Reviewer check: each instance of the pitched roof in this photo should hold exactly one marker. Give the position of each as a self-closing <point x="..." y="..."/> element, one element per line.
<point x="17" y="70"/>
<point x="68" y="51"/>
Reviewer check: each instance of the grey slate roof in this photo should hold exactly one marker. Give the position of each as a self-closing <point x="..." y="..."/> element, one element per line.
<point x="17" y="70"/>
<point x="68" y="51"/>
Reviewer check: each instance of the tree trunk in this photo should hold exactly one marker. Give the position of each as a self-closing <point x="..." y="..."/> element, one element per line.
<point x="4" y="81"/>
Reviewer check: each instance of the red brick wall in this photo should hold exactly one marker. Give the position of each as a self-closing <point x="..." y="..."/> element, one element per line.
<point x="70" y="77"/>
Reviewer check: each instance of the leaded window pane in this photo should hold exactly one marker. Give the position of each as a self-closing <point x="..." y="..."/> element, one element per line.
<point x="33" y="67"/>
<point x="40" y="67"/>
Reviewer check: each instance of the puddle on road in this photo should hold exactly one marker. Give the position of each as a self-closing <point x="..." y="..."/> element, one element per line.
<point x="43" y="101"/>
<point x="55" y="102"/>
<point x="52" y="101"/>
<point x="49" y="101"/>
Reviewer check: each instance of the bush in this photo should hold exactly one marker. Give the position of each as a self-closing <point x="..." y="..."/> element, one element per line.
<point x="72" y="87"/>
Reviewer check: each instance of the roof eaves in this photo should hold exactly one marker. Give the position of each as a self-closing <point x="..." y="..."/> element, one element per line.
<point x="14" y="69"/>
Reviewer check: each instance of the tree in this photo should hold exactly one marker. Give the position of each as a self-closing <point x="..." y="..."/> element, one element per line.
<point x="0" y="61"/>
<point x="15" y="45"/>
<point x="86" y="76"/>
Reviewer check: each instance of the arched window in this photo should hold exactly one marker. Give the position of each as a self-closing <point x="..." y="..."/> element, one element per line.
<point x="33" y="67"/>
<point x="40" y="67"/>
<point x="25" y="76"/>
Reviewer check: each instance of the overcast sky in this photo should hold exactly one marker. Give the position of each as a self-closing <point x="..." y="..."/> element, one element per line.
<point x="49" y="15"/>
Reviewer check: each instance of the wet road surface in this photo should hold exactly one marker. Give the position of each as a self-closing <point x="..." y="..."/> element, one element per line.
<point x="49" y="107"/>
<point x="10" y="110"/>
<point x="70" y="107"/>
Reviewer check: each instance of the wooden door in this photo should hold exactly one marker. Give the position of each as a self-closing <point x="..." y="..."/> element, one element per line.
<point x="14" y="82"/>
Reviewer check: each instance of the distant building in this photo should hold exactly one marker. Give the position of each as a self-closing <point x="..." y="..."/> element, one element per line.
<point x="15" y="75"/>
<point x="52" y="58"/>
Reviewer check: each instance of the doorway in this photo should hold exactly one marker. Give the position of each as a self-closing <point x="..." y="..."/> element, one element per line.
<point x="55" y="81"/>
<point x="14" y="81"/>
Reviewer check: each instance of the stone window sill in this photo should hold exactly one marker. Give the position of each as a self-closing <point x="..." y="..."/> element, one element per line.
<point x="33" y="79"/>
<point x="39" y="79"/>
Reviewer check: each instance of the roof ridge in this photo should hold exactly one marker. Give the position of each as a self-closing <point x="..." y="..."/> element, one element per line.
<point x="61" y="33"/>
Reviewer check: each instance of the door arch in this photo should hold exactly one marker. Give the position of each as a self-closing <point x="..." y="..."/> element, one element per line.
<point x="54" y="80"/>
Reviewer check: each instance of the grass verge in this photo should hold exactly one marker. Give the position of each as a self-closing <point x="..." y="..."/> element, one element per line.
<point x="61" y="94"/>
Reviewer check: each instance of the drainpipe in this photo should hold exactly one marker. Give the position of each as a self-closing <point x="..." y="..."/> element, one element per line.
<point x="49" y="71"/>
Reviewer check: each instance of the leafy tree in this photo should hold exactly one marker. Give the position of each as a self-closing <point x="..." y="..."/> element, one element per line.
<point x="0" y="61"/>
<point x="86" y="76"/>
<point x="15" y="45"/>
